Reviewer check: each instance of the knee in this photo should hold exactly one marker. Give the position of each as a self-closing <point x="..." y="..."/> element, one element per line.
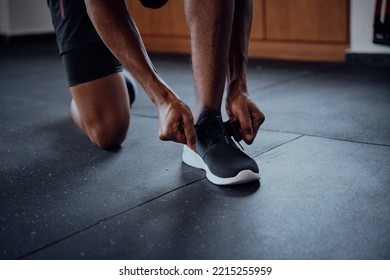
<point x="108" y="134"/>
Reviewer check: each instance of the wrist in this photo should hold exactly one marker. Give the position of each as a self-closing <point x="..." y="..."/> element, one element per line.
<point x="237" y="87"/>
<point x="159" y="92"/>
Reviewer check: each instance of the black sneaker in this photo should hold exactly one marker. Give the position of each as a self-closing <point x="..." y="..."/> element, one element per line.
<point x="131" y="86"/>
<point x="217" y="154"/>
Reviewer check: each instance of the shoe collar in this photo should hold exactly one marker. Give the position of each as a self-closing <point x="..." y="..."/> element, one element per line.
<point x="209" y="118"/>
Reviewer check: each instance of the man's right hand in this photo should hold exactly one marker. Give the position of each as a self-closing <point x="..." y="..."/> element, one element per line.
<point x="176" y="122"/>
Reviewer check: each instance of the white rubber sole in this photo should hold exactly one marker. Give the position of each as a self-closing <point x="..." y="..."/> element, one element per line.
<point x="193" y="159"/>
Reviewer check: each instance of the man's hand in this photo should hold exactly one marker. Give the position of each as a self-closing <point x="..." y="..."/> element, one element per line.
<point x="240" y="107"/>
<point x="176" y="122"/>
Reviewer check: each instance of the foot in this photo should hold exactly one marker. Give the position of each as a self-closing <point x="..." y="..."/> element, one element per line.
<point x="131" y="86"/>
<point x="218" y="155"/>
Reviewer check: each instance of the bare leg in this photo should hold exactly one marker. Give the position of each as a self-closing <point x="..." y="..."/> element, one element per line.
<point x="101" y="109"/>
<point x="210" y="25"/>
<point x="239" y="106"/>
<point x="238" y="53"/>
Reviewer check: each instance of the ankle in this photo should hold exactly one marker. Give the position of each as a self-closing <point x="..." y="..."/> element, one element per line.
<point x="237" y="86"/>
<point x="200" y="110"/>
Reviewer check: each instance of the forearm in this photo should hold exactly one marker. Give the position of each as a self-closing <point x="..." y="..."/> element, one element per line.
<point x="238" y="53"/>
<point x="118" y="31"/>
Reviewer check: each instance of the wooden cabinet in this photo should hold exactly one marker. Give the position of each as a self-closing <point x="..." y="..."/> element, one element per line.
<point x="315" y="30"/>
<point x="164" y="29"/>
<point x="307" y="20"/>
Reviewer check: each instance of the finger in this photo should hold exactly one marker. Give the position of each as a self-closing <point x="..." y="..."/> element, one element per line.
<point x="257" y="120"/>
<point x="175" y="134"/>
<point x="179" y="137"/>
<point x="189" y="130"/>
<point x="246" y="126"/>
<point x="162" y="135"/>
<point x="165" y="137"/>
<point x="167" y="132"/>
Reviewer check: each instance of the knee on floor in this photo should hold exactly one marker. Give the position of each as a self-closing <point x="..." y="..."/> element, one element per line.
<point x="108" y="134"/>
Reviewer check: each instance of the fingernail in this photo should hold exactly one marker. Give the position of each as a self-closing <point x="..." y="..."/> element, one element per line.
<point x="248" y="136"/>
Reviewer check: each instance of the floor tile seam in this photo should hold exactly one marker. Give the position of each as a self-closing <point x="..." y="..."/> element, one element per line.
<point x="104" y="220"/>
<point x="295" y="78"/>
<point x="327" y="137"/>
<point x="279" y="145"/>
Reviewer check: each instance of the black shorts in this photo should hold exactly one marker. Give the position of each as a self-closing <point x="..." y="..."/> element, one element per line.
<point x="84" y="54"/>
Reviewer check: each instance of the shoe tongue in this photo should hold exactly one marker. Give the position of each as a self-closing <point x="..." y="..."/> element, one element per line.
<point x="209" y="117"/>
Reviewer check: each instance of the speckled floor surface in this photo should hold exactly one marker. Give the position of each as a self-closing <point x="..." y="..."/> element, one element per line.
<point x="323" y="153"/>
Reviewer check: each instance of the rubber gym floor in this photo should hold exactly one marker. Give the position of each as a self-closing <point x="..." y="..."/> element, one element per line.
<point x="323" y="153"/>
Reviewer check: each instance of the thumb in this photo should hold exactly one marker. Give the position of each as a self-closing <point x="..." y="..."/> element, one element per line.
<point x="246" y="126"/>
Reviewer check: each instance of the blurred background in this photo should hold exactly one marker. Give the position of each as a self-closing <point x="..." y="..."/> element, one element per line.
<point x="323" y="151"/>
<point x="309" y="30"/>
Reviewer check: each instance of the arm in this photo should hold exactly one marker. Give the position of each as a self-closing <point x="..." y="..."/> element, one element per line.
<point x="239" y="105"/>
<point x="118" y="31"/>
